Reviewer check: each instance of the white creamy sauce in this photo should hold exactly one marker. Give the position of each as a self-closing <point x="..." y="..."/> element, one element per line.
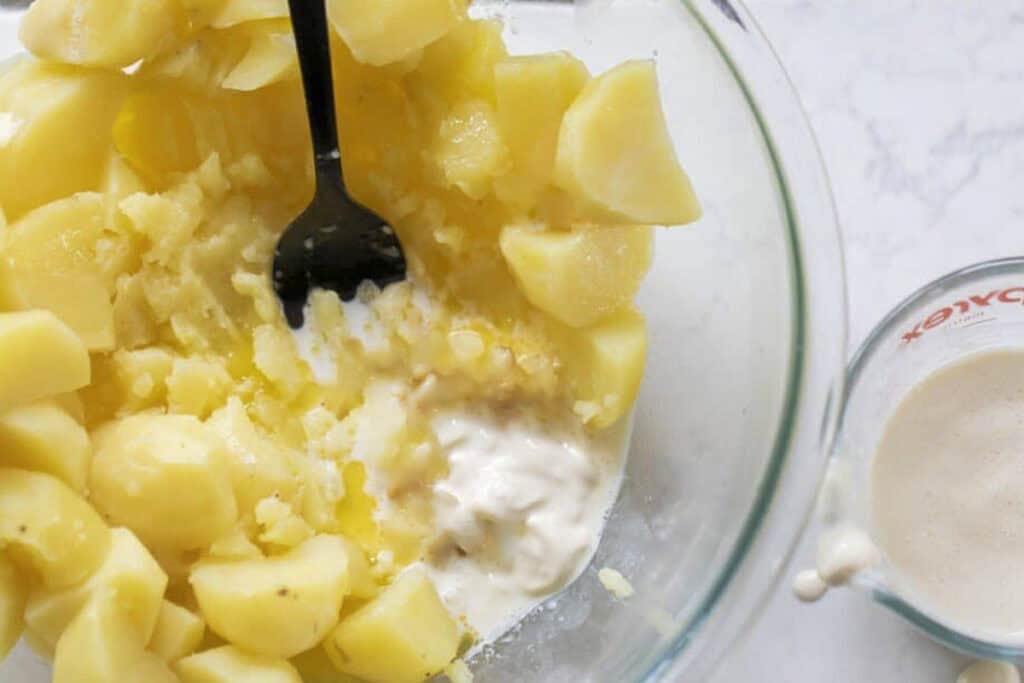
<point x="313" y="349"/>
<point x="844" y="551"/>
<point x="988" y="671"/>
<point x="948" y="495"/>
<point x="520" y="513"/>
<point x="808" y="586"/>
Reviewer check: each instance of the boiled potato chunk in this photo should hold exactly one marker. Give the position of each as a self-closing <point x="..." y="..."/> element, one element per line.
<point x="166" y="478"/>
<point x="259" y="465"/>
<point x="277" y="606"/>
<point x="102" y="33"/>
<point x="43" y="437"/>
<point x="44" y="158"/>
<point x="403" y="635"/>
<point x="270" y="58"/>
<point x="615" y="153"/>
<point x="52" y="256"/>
<point x="11" y="297"/>
<point x="231" y="665"/>
<point x="154" y="132"/>
<point x="314" y="666"/>
<point x="235" y="12"/>
<point x="361" y="582"/>
<point x="13" y="593"/>
<point x="177" y="634"/>
<point x="533" y="93"/>
<point x="380" y="32"/>
<point x="128" y="573"/>
<point x="101" y="645"/>
<point x="580" y="276"/>
<point x="151" y="669"/>
<point x="606" y="364"/>
<point x="461" y="64"/>
<point x="469" y="149"/>
<point x="47" y="527"/>
<point x="39" y="357"/>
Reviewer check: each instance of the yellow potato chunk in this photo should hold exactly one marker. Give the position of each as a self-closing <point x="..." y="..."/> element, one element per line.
<point x="151" y="669"/>
<point x="615" y="154"/>
<point x="47" y="527"/>
<point x="231" y="665"/>
<point x="314" y="666"/>
<point x="581" y="276"/>
<point x="166" y="478"/>
<point x="52" y="256"/>
<point x="259" y="466"/>
<point x="404" y="635"/>
<point x="71" y="403"/>
<point x="269" y="58"/>
<point x="606" y="365"/>
<point x="469" y="149"/>
<point x="461" y="64"/>
<point x="380" y="32"/>
<point x="128" y="573"/>
<point x="37" y="102"/>
<point x="101" y="645"/>
<point x="11" y="297"/>
<point x="43" y="437"/>
<point x="39" y="357"/>
<point x="101" y="33"/>
<point x="13" y="593"/>
<point x="533" y="93"/>
<point x="234" y="12"/>
<point x="177" y="634"/>
<point x="361" y="582"/>
<point x="277" y="606"/>
<point x="154" y="133"/>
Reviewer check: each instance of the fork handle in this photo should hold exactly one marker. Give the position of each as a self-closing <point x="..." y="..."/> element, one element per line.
<point x="309" y="23"/>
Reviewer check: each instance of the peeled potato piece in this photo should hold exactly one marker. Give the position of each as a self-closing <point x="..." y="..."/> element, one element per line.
<point x="151" y="669"/>
<point x="128" y="571"/>
<point x="177" y="634"/>
<point x="39" y="357"/>
<point x="101" y="33"/>
<point x="231" y="665"/>
<point x="380" y="32"/>
<point x="615" y="155"/>
<point x="43" y="158"/>
<point x="270" y="58"/>
<point x="52" y="256"/>
<point x="47" y="527"/>
<point x="606" y="365"/>
<point x="580" y="276"/>
<point x="43" y="437"/>
<point x="101" y="645"/>
<point x="166" y="478"/>
<point x="277" y="606"/>
<point x="11" y="297"/>
<point x="404" y="635"/>
<point x="13" y="593"/>
<point x="234" y="12"/>
<point x="533" y="93"/>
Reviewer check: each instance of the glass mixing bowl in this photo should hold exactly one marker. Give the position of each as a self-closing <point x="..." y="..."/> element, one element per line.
<point x="747" y="325"/>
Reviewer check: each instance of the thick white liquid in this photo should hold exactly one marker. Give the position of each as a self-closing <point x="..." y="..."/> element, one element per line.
<point x="948" y="495"/>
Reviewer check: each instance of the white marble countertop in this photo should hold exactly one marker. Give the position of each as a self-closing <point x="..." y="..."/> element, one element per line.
<point x="919" y="109"/>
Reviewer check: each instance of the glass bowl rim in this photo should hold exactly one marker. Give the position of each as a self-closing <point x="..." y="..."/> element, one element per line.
<point x="799" y="356"/>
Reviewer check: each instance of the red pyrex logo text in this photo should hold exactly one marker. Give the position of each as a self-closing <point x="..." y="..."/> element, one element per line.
<point x="1011" y="295"/>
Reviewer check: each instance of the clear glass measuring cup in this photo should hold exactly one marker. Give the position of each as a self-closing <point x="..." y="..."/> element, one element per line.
<point x="978" y="308"/>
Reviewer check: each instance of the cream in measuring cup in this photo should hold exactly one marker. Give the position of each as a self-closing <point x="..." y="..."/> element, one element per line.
<point x="925" y="502"/>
